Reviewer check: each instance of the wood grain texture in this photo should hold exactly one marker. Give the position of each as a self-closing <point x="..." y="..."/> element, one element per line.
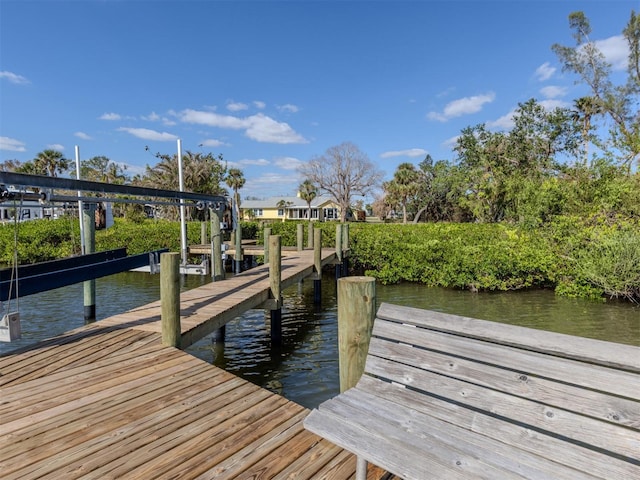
<point x="453" y="396"/>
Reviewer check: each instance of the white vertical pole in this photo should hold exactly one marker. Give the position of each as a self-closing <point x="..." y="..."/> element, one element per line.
<point x="183" y="223"/>
<point x="83" y="248"/>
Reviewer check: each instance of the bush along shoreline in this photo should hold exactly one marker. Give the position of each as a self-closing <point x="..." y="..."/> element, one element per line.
<point x="596" y="258"/>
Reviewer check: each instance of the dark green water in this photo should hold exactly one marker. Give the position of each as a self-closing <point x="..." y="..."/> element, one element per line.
<point x="305" y="368"/>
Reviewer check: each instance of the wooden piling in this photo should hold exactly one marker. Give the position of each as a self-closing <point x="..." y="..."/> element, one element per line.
<point x="339" y="242"/>
<point x="345" y="249"/>
<point x="300" y="237"/>
<point x="217" y="266"/>
<point x="203" y="233"/>
<point x="170" y="298"/>
<point x="275" y="286"/>
<point x="89" y="232"/>
<point x="238" y="246"/>
<point x="267" y="234"/>
<point x="356" y="311"/>
<point x="310" y="235"/>
<point x="317" y="265"/>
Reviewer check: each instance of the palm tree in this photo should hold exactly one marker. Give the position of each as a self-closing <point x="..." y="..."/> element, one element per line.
<point x="585" y="109"/>
<point x="308" y="192"/>
<point x="51" y="162"/>
<point x="403" y="186"/>
<point x="235" y="180"/>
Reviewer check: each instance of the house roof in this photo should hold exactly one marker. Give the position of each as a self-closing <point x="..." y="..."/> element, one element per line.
<point x="292" y="202"/>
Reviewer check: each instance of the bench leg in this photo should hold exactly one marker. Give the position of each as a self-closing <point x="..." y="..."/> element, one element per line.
<point x="361" y="469"/>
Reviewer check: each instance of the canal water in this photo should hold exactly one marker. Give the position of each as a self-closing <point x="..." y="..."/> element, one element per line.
<point x="305" y="368"/>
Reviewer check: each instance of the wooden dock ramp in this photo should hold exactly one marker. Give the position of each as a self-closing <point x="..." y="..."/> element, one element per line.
<point x="109" y="401"/>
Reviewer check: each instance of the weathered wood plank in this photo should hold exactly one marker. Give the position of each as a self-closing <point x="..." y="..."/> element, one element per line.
<point x="567" y="346"/>
<point x="528" y="362"/>
<point x="529" y="383"/>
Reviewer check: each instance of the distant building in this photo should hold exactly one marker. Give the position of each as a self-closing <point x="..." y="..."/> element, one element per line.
<point x="323" y="208"/>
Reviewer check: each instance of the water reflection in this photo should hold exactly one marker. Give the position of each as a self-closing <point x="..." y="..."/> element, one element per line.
<point x="305" y="368"/>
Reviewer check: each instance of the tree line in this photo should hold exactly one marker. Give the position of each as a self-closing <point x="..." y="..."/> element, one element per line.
<point x="580" y="160"/>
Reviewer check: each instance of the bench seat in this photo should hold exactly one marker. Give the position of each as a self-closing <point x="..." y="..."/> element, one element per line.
<point x="446" y="397"/>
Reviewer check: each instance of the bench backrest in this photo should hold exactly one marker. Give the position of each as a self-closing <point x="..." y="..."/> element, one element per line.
<point x="538" y="390"/>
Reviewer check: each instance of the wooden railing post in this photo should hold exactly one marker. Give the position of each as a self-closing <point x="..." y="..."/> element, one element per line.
<point x="217" y="265"/>
<point x="267" y="234"/>
<point x="317" y="265"/>
<point x="345" y="249"/>
<point x="300" y="237"/>
<point x="170" y="298"/>
<point x="275" y="278"/>
<point x="356" y="312"/>
<point x="338" y="250"/>
<point x="203" y="233"/>
<point x="310" y="235"/>
<point x="237" y="257"/>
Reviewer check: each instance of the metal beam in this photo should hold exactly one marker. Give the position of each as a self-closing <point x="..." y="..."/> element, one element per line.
<point x="40" y="181"/>
<point x="59" y="273"/>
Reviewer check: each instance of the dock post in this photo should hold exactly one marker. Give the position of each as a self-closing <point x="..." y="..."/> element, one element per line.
<point x="317" y="264"/>
<point x="237" y="257"/>
<point x="300" y="237"/>
<point x="356" y="311"/>
<point x="339" y="250"/>
<point x="203" y="233"/>
<point x="345" y="249"/>
<point x="267" y="234"/>
<point x="217" y="265"/>
<point x="275" y="277"/>
<point x="89" y="231"/>
<point x="310" y="235"/>
<point x="170" y="298"/>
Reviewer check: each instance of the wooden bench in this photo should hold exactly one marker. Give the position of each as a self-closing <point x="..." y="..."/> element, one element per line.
<point x="446" y="397"/>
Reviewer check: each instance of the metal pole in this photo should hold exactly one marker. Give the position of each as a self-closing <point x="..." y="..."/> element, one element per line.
<point x="183" y="223"/>
<point x="88" y="218"/>
<point x="82" y="246"/>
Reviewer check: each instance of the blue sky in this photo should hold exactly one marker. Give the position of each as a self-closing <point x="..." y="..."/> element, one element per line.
<point x="270" y="84"/>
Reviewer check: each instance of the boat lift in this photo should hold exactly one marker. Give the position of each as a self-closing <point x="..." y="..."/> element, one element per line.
<point x="29" y="279"/>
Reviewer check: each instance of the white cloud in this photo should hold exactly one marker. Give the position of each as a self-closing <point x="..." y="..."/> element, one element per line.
<point x="259" y="105"/>
<point x="55" y="146"/>
<point x="260" y="162"/>
<point x="110" y="116"/>
<point x="152" y="117"/>
<point x="212" y="119"/>
<point x="14" y="78"/>
<point x="552" y="104"/>
<point x="146" y="134"/>
<point x="412" y="152"/>
<point x="267" y="130"/>
<point x="288" y="163"/>
<point x="12" y="144"/>
<point x="236" y="106"/>
<point x="451" y="142"/>
<point x="83" y="136"/>
<point x="212" y="142"/>
<point x="545" y="71"/>
<point x="257" y="127"/>
<point x="553" y="91"/>
<point x="288" y="108"/>
<point x="615" y="50"/>
<point x="505" y="122"/>
<point x="462" y="106"/>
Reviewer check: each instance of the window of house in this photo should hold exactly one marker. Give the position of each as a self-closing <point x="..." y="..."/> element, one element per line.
<point x="257" y="212"/>
<point x="281" y="212"/>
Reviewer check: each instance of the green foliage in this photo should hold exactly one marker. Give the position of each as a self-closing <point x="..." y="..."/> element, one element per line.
<point x="581" y="257"/>
<point x="39" y="240"/>
<point x="611" y="262"/>
<point x="472" y="256"/>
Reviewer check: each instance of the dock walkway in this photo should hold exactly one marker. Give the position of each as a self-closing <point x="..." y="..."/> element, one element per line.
<point x="109" y="401"/>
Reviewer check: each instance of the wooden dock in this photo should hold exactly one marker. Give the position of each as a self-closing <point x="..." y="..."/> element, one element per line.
<point x="109" y="401"/>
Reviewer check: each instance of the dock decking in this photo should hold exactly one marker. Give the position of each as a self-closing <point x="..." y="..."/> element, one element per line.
<point x="110" y="401"/>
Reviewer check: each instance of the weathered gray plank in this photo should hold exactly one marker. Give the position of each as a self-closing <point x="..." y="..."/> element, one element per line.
<point x="579" y="373"/>
<point x="593" y="351"/>
<point x="513" y="377"/>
